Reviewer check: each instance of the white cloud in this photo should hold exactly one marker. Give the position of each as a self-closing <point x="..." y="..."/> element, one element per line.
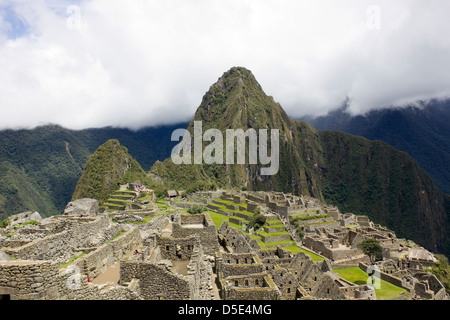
<point x="147" y="62"/>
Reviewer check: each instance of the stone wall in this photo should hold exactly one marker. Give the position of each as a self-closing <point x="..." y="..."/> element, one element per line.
<point x="267" y="290"/>
<point x="286" y="283"/>
<point x="54" y="247"/>
<point x="362" y="292"/>
<point x="156" y="281"/>
<point x="78" y="233"/>
<point x="72" y="285"/>
<point x="41" y="280"/>
<point x="177" y="249"/>
<point x="97" y="261"/>
<point x="207" y="234"/>
<point x="386" y="277"/>
<point x="26" y="280"/>
<point x="238" y="264"/>
<point x="317" y="283"/>
<point x="275" y="238"/>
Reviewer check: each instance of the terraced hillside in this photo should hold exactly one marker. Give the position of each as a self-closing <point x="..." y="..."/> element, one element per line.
<point x="271" y="234"/>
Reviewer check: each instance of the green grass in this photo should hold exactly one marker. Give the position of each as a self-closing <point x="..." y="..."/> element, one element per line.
<point x="314" y="257"/>
<point x="121" y="232"/>
<point x="356" y="275"/>
<point x="32" y="222"/>
<point x="231" y="202"/>
<point x="71" y="260"/>
<point x="274" y="226"/>
<point x="263" y="233"/>
<point x="219" y="218"/>
<point x="224" y="208"/>
<point x="274" y="222"/>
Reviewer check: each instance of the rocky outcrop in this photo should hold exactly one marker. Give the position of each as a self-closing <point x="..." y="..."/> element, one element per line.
<point x="24" y="217"/>
<point x="85" y="206"/>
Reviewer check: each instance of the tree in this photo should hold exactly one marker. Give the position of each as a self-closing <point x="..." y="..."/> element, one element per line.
<point x="371" y="248"/>
<point x="300" y="232"/>
<point x="257" y="221"/>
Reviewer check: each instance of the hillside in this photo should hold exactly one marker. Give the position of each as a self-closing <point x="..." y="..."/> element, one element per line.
<point x="237" y="101"/>
<point x="107" y="168"/>
<point x="358" y="175"/>
<point x="423" y="132"/>
<point x="40" y="168"/>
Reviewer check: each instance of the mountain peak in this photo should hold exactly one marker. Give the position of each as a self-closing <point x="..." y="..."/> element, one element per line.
<point x="238" y="77"/>
<point x="109" y="165"/>
<point x="237" y="100"/>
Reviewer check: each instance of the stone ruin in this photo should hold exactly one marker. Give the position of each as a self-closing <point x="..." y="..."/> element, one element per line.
<point x="188" y="258"/>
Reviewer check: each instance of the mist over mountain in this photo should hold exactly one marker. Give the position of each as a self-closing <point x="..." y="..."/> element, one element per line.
<point x="421" y="130"/>
<point x="40" y="168"/>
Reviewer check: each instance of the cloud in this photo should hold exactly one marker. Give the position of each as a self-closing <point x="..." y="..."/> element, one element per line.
<point x="106" y="62"/>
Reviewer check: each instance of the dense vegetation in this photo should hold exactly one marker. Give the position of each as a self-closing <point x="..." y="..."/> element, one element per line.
<point x="442" y="271"/>
<point x="40" y="168"/>
<point x="109" y="167"/>
<point x="372" y="249"/>
<point x="421" y="131"/>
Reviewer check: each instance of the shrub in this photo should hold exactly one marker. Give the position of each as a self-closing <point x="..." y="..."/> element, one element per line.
<point x="300" y="232"/>
<point x="4" y="223"/>
<point x="197" y="210"/>
<point x="257" y="221"/>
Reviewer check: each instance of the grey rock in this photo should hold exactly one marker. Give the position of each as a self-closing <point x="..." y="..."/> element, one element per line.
<point x="86" y="206"/>
<point x="24" y="217"/>
<point x="4" y="256"/>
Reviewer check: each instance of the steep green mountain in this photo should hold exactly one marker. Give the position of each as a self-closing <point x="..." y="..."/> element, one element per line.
<point x="358" y="175"/>
<point x="237" y="101"/>
<point x="372" y="178"/>
<point x="40" y="168"/>
<point x="107" y="168"/>
<point x="422" y="131"/>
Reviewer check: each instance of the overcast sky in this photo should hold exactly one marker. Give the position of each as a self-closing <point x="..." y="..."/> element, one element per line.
<point x="146" y="62"/>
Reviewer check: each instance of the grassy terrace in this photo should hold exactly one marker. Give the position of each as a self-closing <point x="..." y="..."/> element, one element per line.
<point x="273" y="226"/>
<point x="273" y="222"/>
<point x="263" y="233"/>
<point x="387" y="291"/>
<point x="219" y="218"/>
<point x="289" y="245"/>
<point x="125" y="192"/>
<point x="123" y="196"/>
<point x="224" y="208"/>
<point x="231" y="202"/>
